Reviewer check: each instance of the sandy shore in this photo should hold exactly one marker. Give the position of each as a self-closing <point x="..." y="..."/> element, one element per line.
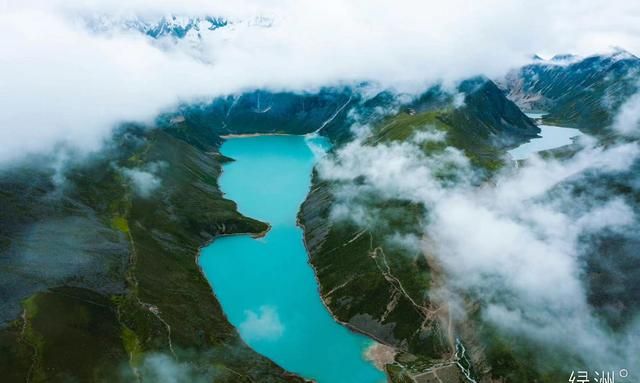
<point x="380" y="355"/>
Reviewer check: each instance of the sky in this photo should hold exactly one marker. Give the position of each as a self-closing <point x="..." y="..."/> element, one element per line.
<point x="62" y="85"/>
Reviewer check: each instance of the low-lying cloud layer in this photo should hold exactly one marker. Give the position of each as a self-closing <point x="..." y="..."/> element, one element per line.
<point x="62" y="83"/>
<point x="519" y="245"/>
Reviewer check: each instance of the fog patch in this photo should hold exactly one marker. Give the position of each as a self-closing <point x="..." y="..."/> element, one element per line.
<point x="56" y="251"/>
<point x="459" y="100"/>
<point x="409" y="243"/>
<point x="263" y="324"/>
<point x="162" y="368"/>
<point x="145" y="180"/>
<point x="517" y="244"/>
<point x="429" y="135"/>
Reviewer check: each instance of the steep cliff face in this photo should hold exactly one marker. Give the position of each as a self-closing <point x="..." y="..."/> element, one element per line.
<point x="275" y="112"/>
<point x="581" y="93"/>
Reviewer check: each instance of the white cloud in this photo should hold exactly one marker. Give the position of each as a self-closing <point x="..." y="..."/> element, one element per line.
<point x="62" y="84"/>
<point x="627" y="120"/>
<point x="162" y="368"/>
<point x="516" y="245"/>
<point x="264" y="324"/>
<point x="429" y="135"/>
<point x="144" y="182"/>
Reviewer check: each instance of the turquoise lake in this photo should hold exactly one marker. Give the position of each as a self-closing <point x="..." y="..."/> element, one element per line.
<point x="266" y="286"/>
<point x="551" y="137"/>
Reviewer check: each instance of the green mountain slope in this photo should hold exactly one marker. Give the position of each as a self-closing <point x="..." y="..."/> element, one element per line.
<point x="113" y="306"/>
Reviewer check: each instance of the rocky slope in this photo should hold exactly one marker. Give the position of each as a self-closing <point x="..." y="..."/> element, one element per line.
<point x="584" y="93"/>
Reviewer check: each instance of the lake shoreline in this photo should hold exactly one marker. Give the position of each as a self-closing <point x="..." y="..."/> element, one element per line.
<point x="266" y="287"/>
<point x="551" y="137"/>
<point x="375" y="340"/>
<point x="246" y="135"/>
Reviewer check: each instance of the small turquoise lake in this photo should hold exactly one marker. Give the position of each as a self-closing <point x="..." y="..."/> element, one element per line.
<point x="266" y="286"/>
<point x="551" y="137"/>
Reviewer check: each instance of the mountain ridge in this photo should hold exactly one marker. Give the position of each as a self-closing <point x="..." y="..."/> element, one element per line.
<point x="584" y="93"/>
